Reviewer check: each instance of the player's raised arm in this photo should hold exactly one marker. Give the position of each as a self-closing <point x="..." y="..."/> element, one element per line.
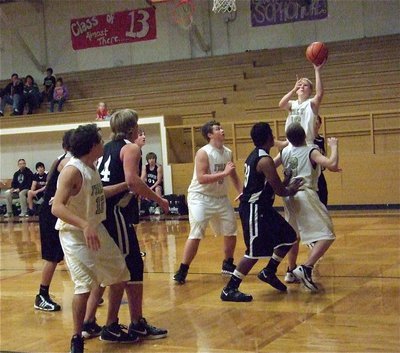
<point x="331" y="163"/>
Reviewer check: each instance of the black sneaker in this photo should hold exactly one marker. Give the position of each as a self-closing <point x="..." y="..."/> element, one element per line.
<point x="1" y="114"/>
<point x="91" y="329"/>
<point x="146" y="331"/>
<point x="45" y="303"/>
<point x="77" y="344"/>
<point x="272" y="280"/>
<point x="115" y="333"/>
<point x="304" y="273"/>
<point x="100" y="302"/>
<point x="228" y="267"/>
<point x="180" y="276"/>
<point x="234" y="295"/>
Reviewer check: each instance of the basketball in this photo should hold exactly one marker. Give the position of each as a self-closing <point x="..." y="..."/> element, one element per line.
<point x="316" y="53"/>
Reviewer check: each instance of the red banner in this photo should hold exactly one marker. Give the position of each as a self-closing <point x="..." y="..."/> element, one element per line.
<point x="115" y="28"/>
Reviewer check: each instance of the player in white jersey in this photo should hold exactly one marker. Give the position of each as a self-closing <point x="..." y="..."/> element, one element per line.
<point x="304" y="211"/>
<point x="208" y="199"/>
<point x="92" y="257"/>
<point x="305" y="109"/>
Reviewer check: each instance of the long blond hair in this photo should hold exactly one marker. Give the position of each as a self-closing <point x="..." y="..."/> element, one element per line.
<point x="122" y="123"/>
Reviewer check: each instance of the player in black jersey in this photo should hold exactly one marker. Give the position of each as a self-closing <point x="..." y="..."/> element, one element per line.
<point x="266" y="233"/>
<point x="120" y="163"/>
<point x="320" y="142"/>
<point x="52" y="252"/>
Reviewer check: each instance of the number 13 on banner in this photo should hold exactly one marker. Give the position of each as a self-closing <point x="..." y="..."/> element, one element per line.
<point x="111" y="29"/>
<point x="144" y="24"/>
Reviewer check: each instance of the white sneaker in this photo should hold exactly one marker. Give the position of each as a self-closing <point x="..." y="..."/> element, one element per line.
<point x="291" y="278"/>
<point x="23" y="215"/>
<point x="8" y="215"/>
<point x="304" y="273"/>
<point x="157" y="211"/>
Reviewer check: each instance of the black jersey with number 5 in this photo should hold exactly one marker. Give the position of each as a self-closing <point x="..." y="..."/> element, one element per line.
<point x="256" y="188"/>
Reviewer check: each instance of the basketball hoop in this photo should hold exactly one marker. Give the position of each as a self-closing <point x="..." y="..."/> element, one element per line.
<point x="182" y="12"/>
<point x="224" y="6"/>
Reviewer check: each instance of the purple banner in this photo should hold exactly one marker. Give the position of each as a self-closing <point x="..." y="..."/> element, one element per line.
<point x="273" y="12"/>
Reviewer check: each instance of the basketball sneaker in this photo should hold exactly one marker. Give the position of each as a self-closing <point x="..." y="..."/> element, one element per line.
<point x="290" y="277"/>
<point x="272" y="280"/>
<point x="91" y="329"/>
<point x="146" y="331"/>
<point x="116" y="333"/>
<point x="180" y="276"/>
<point x="228" y="267"/>
<point x="234" y="295"/>
<point x="44" y="303"/>
<point x="77" y="344"/>
<point x="304" y="273"/>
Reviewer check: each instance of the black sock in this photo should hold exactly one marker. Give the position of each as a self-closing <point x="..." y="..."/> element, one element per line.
<point x="184" y="267"/>
<point x="234" y="282"/>
<point x="44" y="290"/>
<point x="229" y="260"/>
<point x="272" y="266"/>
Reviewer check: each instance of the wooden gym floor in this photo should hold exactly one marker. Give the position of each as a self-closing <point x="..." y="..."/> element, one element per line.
<point x="357" y="309"/>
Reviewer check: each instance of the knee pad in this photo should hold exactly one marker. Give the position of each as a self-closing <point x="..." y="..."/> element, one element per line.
<point x="135" y="265"/>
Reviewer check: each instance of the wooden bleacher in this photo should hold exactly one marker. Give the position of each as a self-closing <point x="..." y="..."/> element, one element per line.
<point x="362" y="76"/>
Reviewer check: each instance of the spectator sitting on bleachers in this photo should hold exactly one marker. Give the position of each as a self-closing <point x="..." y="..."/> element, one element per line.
<point x="12" y="94"/>
<point x="21" y="183"/>
<point x="102" y="112"/>
<point x="49" y="82"/>
<point x="60" y="95"/>
<point x="31" y="94"/>
<point x="36" y="192"/>
<point x="152" y="175"/>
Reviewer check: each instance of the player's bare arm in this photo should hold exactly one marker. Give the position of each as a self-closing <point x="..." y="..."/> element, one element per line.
<point x="284" y="102"/>
<point x="319" y="89"/>
<point x="69" y="184"/>
<point x="236" y="181"/>
<point x="159" y="175"/>
<point x="331" y="163"/>
<point x="112" y="190"/>
<point x="267" y="167"/>
<point x="130" y="156"/>
<point x="280" y="145"/>
<point x="143" y="174"/>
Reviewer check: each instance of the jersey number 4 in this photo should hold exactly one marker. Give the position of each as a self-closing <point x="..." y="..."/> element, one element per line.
<point x="105" y="173"/>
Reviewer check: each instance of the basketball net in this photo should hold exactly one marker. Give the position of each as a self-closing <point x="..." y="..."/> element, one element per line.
<point x="182" y="12"/>
<point x="224" y="6"/>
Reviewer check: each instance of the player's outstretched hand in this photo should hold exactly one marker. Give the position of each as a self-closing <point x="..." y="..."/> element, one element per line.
<point x="318" y="67"/>
<point x="287" y="175"/>
<point x="295" y="184"/>
<point x="333" y="141"/>
<point x="164" y="205"/>
<point x="298" y="83"/>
